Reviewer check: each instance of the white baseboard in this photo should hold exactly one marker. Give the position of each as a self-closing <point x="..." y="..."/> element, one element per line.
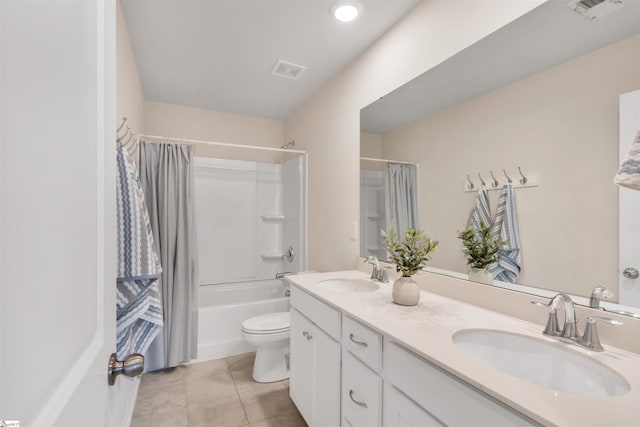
<point x="219" y="350"/>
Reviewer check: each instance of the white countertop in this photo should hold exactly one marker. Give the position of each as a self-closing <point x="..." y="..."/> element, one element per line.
<point x="427" y="330"/>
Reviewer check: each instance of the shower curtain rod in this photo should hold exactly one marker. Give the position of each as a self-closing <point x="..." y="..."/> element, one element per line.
<point x="371" y="159"/>
<point x="222" y="144"/>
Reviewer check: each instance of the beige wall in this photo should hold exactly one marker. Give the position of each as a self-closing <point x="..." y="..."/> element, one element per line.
<point x="561" y="124"/>
<point x="129" y="95"/>
<point x="194" y="123"/>
<point x="370" y="145"/>
<point x="328" y="124"/>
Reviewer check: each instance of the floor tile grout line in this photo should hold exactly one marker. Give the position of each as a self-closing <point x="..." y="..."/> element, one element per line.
<point x="246" y="417"/>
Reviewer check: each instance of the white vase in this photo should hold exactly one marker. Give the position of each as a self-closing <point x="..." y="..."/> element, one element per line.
<point x="406" y="291"/>
<point x="480" y="275"/>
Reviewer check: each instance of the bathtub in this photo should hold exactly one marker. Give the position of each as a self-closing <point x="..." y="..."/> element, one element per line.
<point x="223" y="308"/>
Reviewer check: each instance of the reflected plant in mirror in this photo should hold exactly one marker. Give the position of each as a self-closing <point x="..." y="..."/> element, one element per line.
<point x="481" y="248"/>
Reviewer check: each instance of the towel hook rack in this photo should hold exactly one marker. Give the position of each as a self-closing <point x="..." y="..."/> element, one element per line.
<point x="507" y="176"/>
<point x="124" y="121"/>
<point x="495" y="182"/>
<point x="470" y="186"/>
<point x="481" y="180"/>
<point x="523" y="180"/>
<point x="125" y="144"/>
<point x="127" y="132"/>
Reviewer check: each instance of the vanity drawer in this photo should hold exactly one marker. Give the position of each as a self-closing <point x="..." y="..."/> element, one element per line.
<point x="361" y="394"/>
<point x="362" y="342"/>
<point x="442" y="395"/>
<point x="323" y="315"/>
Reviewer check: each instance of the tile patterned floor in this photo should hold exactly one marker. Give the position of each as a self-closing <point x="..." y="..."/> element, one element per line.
<point x="218" y="393"/>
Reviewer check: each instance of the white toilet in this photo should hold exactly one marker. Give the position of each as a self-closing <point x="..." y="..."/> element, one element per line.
<point x="270" y="334"/>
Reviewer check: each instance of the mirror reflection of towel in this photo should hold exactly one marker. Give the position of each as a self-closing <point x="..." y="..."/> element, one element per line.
<point x="505" y="226"/>
<point x="481" y="213"/>
<point x="629" y="173"/>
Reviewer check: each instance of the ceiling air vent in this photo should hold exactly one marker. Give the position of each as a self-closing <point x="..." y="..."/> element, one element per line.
<point x="288" y="70"/>
<point x="594" y="9"/>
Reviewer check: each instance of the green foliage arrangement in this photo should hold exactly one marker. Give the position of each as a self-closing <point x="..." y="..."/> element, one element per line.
<point x="480" y="246"/>
<point x="409" y="255"/>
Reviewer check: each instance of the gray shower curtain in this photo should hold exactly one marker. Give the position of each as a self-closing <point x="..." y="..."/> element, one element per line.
<point x="166" y="172"/>
<point x="402" y="196"/>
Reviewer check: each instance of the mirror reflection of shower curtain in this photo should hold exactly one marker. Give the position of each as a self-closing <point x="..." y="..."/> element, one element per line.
<point x="402" y="196"/>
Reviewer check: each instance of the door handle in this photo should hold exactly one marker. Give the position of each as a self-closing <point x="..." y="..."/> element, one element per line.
<point x="131" y="366"/>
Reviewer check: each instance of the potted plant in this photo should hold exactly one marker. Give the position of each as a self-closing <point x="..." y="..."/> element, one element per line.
<point x="409" y="256"/>
<point x="481" y="249"/>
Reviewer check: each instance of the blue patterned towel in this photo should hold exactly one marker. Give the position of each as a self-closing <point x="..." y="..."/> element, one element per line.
<point x="629" y="173"/>
<point x="138" y="306"/>
<point x="505" y="225"/>
<point x="481" y="212"/>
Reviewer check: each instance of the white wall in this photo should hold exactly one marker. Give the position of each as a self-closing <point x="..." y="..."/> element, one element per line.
<point x="328" y="124"/>
<point x="561" y="123"/>
<point x="130" y="97"/>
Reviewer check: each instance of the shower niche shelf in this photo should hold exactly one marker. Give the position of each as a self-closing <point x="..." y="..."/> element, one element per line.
<point x="272" y="218"/>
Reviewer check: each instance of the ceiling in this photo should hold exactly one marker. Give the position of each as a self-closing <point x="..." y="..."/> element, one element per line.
<point x="549" y="35"/>
<point x="218" y="54"/>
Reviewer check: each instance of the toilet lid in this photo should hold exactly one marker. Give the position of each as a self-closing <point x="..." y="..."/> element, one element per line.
<point x="267" y="323"/>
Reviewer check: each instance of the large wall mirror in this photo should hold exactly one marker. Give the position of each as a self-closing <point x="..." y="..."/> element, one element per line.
<point x="541" y="94"/>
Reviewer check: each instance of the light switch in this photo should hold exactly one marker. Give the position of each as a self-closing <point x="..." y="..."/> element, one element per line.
<point x="353" y="230"/>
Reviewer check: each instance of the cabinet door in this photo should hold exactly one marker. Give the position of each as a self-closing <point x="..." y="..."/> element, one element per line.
<point x="301" y="381"/>
<point x="400" y="411"/>
<point x="326" y="356"/>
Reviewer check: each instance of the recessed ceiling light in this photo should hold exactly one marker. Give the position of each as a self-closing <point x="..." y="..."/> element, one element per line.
<point x="346" y="10"/>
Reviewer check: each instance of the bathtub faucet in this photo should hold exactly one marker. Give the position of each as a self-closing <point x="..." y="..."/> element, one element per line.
<point x="281" y="275"/>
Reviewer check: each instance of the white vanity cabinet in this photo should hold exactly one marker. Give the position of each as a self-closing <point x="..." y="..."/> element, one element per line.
<point x="344" y="373"/>
<point x="438" y="396"/>
<point x="314" y="383"/>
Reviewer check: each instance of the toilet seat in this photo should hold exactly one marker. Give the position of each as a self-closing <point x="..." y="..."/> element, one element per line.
<point x="267" y="324"/>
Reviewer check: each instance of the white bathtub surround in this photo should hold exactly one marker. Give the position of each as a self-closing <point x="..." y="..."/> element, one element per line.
<point x="426" y="330"/>
<point x="248" y="214"/>
<point x="223" y="308"/>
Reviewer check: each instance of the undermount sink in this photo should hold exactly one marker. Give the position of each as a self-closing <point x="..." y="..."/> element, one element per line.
<point x="349" y="285"/>
<point x="542" y="363"/>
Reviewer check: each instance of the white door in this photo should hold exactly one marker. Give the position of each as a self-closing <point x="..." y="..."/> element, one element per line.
<point x="629" y="206"/>
<point x="57" y="222"/>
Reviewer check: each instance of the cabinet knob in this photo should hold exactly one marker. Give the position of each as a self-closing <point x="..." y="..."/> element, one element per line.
<point x="309" y="336"/>
<point x="305" y="333"/>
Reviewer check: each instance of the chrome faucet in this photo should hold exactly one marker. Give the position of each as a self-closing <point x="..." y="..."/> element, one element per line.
<point x="598" y="293"/>
<point x="590" y="339"/>
<point x="281" y="275"/>
<point x="569" y="332"/>
<point x="377" y="273"/>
